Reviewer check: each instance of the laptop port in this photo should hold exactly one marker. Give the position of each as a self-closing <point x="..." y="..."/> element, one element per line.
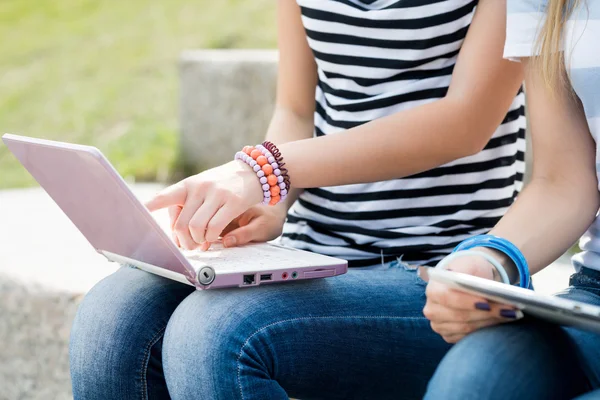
<point x="266" y="277"/>
<point x="248" y="279"/>
<point x="294" y="275"/>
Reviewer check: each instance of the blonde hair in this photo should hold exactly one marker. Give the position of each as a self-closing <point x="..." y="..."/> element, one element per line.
<point x="552" y="59"/>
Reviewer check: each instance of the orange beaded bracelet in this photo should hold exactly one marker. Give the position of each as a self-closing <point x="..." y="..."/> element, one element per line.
<point x="267" y="167"/>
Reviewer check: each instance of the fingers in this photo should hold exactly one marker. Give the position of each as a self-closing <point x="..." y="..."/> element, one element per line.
<point x="442" y="314"/>
<point x="454" y="331"/>
<point x="244" y="234"/>
<point x="198" y="224"/>
<point x="452" y="338"/>
<point x="454" y="314"/>
<point x="448" y="305"/>
<point x="174" y="212"/>
<point x="202" y="206"/>
<point x="173" y="195"/>
<point x="182" y="225"/>
<point x="232" y="234"/>
<point x="450" y="329"/>
<point x="219" y="221"/>
<point x="202" y="220"/>
<point x="442" y="294"/>
<point x="231" y="226"/>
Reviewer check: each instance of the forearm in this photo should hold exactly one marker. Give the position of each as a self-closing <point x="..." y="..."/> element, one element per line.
<point x="562" y="199"/>
<point x="548" y="217"/>
<point x="396" y="146"/>
<point x="288" y="126"/>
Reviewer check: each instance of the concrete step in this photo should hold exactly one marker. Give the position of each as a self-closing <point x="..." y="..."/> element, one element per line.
<point x="46" y="266"/>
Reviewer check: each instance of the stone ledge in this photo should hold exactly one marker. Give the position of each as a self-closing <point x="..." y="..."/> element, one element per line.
<point x="230" y="56"/>
<point x="35" y="326"/>
<point x="45" y="270"/>
<point x="227" y="100"/>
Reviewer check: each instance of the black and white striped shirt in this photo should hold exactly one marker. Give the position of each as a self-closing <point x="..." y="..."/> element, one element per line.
<point x="376" y="58"/>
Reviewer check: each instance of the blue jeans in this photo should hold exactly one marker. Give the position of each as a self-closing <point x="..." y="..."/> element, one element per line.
<point x="525" y="360"/>
<point x="360" y="335"/>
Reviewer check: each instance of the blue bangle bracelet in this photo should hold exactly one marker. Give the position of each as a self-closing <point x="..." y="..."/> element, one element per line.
<point x="506" y="247"/>
<point x="466" y="253"/>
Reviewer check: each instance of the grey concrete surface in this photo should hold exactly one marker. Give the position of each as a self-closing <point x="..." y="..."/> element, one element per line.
<point x="46" y="266"/>
<point x="227" y="99"/>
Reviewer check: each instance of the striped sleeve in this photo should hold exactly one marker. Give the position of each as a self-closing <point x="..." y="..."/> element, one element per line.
<point x="523" y="24"/>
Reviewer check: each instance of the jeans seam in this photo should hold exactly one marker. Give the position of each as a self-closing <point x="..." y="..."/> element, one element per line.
<point x="239" y="367"/>
<point x="146" y="361"/>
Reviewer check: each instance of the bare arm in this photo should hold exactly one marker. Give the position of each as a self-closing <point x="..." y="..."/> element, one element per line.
<point x="482" y="89"/>
<point x="557" y="206"/>
<point x="293" y="118"/>
<point x="562" y="199"/>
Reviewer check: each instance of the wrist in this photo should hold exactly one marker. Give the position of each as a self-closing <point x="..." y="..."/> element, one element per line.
<point x="252" y="186"/>
<point x="507" y="249"/>
<point x="481" y="263"/>
<point x="504" y="260"/>
<point x="267" y="163"/>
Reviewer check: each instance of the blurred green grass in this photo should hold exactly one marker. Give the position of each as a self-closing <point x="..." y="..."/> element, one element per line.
<point x="104" y="72"/>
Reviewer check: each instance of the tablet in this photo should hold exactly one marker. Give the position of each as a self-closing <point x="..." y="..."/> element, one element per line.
<point x="550" y="308"/>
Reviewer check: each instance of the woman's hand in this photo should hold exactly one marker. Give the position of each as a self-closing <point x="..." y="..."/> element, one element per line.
<point x="259" y="224"/>
<point x="203" y="205"/>
<point x="454" y="314"/>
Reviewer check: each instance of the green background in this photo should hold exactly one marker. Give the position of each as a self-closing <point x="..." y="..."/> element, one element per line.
<point x="104" y="72"/>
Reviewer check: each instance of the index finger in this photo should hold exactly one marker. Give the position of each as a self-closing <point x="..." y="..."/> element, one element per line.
<point x="174" y="195"/>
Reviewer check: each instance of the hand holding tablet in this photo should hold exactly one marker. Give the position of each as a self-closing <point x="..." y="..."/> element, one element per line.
<point x="550" y="308"/>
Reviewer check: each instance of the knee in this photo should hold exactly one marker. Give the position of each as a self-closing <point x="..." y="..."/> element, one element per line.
<point x="114" y="325"/>
<point x="103" y="325"/>
<point x="497" y="363"/>
<point x="467" y="368"/>
<point x="204" y="342"/>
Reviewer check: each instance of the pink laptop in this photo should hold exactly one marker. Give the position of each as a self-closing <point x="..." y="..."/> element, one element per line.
<point x="94" y="196"/>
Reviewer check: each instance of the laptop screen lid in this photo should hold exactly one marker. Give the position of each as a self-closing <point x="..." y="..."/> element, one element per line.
<point x="98" y="201"/>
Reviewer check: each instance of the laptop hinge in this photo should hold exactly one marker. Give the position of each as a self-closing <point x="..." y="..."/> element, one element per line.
<point x="146" y="267"/>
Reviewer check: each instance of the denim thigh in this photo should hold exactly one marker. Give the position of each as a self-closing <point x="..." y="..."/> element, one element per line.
<point x="116" y="339"/>
<point x="360" y="335"/>
<point x="530" y="359"/>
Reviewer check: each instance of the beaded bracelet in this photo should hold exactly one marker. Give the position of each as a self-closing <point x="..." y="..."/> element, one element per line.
<point x="273" y="178"/>
<point x="279" y="159"/>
